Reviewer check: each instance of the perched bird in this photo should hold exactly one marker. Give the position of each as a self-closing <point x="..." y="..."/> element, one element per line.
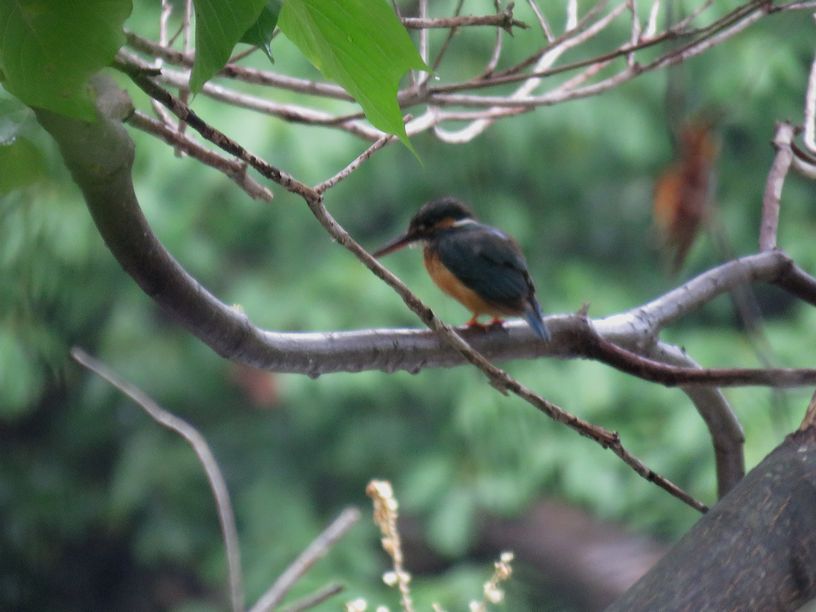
<point x="478" y="265"/>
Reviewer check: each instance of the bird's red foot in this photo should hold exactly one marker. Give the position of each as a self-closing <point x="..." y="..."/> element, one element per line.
<point x="473" y="323"/>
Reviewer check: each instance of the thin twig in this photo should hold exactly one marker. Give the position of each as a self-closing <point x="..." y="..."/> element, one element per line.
<point x="241" y="73"/>
<point x="529" y="102"/>
<point x="504" y="20"/>
<point x="651" y="25"/>
<point x="772" y="197"/>
<point x="164" y="16"/>
<point x="187" y="46"/>
<point x="218" y="138"/>
<point x="807" y="5"/>
<point x="803" y="162"/>
<point x="634" y="36"/>
<point x="420" y="77"/>
<point x="451" y="33"/>
<point x="126" y="61"/>
<point x="809" y="421"/>
<point x="698" y="35"/>
<point x="696" y="12"/>
<point x="497" y="50"/>
<point x="315" y="599"/>
<point x="810" y="110"/>
<point x="670" y="376"/>
<point x="242" y="54"/>
<point x="304" y="562"/>
<point x="205" y="456"/>
<point x="356" y="163"/>
<point x="235" y="170"/>
<point x="572" y="15"/>
<point x="542" y="21"/>
<point x="710" y="36"/>
<point x="566" y="35"/>
<point x="521" y="96"/>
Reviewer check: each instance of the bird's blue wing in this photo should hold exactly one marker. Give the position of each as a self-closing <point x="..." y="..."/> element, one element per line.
<point x="487" y="261"/>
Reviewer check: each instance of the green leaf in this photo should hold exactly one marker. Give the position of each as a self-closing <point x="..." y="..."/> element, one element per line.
<point x="361" y="45"/>
<point x="220" y="24"/>
<point x="49" y="49"/>
<point x="260" y="33"/>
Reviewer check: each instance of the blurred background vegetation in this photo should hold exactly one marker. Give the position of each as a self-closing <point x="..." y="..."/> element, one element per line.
<point x="102" y="509"/>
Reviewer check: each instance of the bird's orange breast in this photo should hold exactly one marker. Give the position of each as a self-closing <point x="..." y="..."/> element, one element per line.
<point x="450" y="284"/>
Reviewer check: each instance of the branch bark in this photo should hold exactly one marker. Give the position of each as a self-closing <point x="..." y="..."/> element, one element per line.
<point x="754" y="550"/>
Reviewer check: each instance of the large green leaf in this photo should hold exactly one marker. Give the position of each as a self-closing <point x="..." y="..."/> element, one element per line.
<point x="260" y="32"/>
<point x="49" y="49"/>
<point x="220" y="24"/>
<point x="361" y="45"/>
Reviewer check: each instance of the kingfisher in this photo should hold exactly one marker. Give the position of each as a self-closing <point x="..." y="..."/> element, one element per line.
<point x="474" y="263"/>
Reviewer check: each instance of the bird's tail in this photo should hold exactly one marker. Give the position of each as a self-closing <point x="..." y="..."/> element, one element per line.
<point x="533" y="316"/>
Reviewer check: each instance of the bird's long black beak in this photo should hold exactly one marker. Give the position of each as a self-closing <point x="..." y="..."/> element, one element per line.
<point x="396" y="244"/>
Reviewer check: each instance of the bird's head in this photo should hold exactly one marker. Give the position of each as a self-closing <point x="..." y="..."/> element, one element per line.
<point x="434" y="216"/>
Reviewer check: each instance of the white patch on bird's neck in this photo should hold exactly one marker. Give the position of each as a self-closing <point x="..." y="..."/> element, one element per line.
<point x="461" y="222"/>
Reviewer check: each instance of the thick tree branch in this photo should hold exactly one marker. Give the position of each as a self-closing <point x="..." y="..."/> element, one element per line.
<point x="755" y="550"/>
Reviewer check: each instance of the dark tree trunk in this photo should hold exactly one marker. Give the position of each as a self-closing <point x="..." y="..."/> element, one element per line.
<point x="754" y="550"/>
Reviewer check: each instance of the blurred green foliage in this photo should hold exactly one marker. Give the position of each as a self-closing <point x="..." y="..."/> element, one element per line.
<point x="102" y="509"/>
